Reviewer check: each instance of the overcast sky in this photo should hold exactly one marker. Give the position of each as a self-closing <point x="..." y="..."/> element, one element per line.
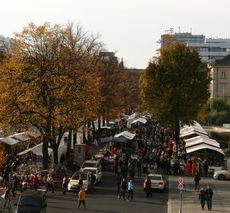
<point x="131" y="28"/>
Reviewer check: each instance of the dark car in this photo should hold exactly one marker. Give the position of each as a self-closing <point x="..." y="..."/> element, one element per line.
<point x="31" y="203"/>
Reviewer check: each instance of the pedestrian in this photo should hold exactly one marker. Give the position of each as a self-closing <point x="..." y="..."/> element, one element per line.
<point x="80" y="182"/>
<point x="93" y="181"/>
<point x="193" y="168"/>
<point x="147" y="187"/>
<point x="205" y="167"/>
<point x="139" y="164"/>
<point x="197" y="181"/>
<point x="65" y="182"/>
<point x="81" y="198"/>
<point x="49" y="183"/>
<point x="209" y="194"/>
<point x="202" y="198"/>
<point x="130" y="189"/>
<point x="119" y="179"/>
<point x="35" y="181"/>
<point x="123" y="188"/>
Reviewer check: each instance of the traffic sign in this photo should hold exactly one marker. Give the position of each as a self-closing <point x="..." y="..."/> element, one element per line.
<point x="180" y="186"/>
<point x="180" y="180"/>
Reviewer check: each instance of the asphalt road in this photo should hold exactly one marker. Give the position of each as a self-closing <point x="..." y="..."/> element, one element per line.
<point x="105" y="199"/>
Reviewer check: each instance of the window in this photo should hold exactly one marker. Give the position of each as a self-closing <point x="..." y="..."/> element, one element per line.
<point x="223" y="75"/>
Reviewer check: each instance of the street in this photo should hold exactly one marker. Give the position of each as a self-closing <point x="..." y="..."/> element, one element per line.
<point x="105" y="199"/>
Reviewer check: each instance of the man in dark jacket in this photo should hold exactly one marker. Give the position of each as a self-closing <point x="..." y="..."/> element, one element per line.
<point x="197" y="181"/>
<point x="209" y="194"/>
<point x="124" y="187"/>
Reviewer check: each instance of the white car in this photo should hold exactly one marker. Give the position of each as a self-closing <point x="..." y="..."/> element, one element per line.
<point x="93" y="170"/>
<point x="221" y="175"/>
<point x="73" y="184"/>
<point x="157" y="181"/>
<point x="91" y="163"/>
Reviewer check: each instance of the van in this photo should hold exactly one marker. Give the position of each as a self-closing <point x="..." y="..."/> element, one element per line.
<point x="92" y="163"/>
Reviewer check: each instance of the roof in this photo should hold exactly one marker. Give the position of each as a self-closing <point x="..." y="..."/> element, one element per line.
<point x="9" y="140"/>
<point x="204" y="146"/>
<point x="201" y="140"/>
<point x="139" y="120"/>
<point x="126" y="134"/>
<point x="223" y="62"/>
<point x="196" y="128"/>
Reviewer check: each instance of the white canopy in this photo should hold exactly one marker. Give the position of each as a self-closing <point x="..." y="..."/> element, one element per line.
<point x="37" y="150"/>
<point x="23" y="136"/>
<point x="126" y="134"/>
<point x="201" y="140"/>
<point x="139" y="120"/>
<point x="196" y="128"/>
<point x="9" y="140"/>
<point x="204" y="146"/>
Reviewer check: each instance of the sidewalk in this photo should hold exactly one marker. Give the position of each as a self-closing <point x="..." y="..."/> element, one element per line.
<point x="190" y="201"/>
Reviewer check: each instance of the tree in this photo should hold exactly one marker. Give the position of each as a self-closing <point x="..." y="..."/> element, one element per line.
<point x="218" y="111"/>
<point x="111" y="85"/>
<point x="48" y="80"/>
<point x="175" y="86"/>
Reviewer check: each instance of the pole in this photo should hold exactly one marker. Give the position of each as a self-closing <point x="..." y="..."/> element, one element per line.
<point x="180" y="211"/>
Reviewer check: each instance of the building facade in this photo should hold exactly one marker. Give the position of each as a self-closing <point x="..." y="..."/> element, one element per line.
<point x="209" y="49"/>
<point x="220" y="84"/>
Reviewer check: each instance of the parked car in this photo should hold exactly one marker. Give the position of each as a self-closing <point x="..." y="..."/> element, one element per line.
<point x="92" y="163"/>
<point x="31" y="203"/>
<point x="157" y="181"/>
<point x="95" y="171"/>
<point x="85" y="176"/>
<point x="221" y="175"/>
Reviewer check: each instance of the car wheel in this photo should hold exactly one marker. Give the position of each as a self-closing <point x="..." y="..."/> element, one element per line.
<point x="221" y="177"/>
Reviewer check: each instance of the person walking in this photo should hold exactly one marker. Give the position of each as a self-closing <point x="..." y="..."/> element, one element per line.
<point x="123" y="188"/>
<point x="65" y="182"/>
<point x="202" y="198"/>
<point x="209" y="194"/>
<point x="197" y="181"/>
<point x="130" y="189"/>
<point x="50" y="183"/>
<point x="147" y="187"/>
<point x="139" y="164"/>
<point x="205" y="168"/>
<point x="81" y="198"/>
<point x="119" y="179"/>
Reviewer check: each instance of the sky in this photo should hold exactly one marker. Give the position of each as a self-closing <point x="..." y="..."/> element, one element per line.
<point x="130" y="28"/>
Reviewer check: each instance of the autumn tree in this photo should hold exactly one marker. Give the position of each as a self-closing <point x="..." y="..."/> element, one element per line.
<point x="111" y="85"/>
<point x="175" y="86"/>
<point x="130" y="92"/>
<point x="48" y="80"/>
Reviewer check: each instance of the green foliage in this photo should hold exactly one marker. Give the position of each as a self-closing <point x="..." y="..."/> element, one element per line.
<point x="174" y="87"/>
<point x="218" y="111"/>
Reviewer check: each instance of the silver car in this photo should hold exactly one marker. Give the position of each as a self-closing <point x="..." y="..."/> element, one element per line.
<point x="221" y="175"/>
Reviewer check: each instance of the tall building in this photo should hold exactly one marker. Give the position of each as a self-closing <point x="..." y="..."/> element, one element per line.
<point x="209" y="49"/>
<point x="4" y="42"/>
<point x="220" y="84"/>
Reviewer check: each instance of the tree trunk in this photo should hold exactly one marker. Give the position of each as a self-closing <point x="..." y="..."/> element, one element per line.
<point x="45" y="154"/>
<point x="177" y="135"/>
<point x="55" y="154"/>
<point x="69" y="144"/>
<point x="103" y="118"/>
<point x="99" y="122"/>
<point x="74" y="138"/>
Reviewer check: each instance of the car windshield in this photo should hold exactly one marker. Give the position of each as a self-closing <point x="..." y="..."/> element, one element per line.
<point x="77" y="176"/>
<point x="89" y="164"/>
<point x="30" y="201"/>
<point x="155" y="177"/>
<point x="90" y="170"/>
